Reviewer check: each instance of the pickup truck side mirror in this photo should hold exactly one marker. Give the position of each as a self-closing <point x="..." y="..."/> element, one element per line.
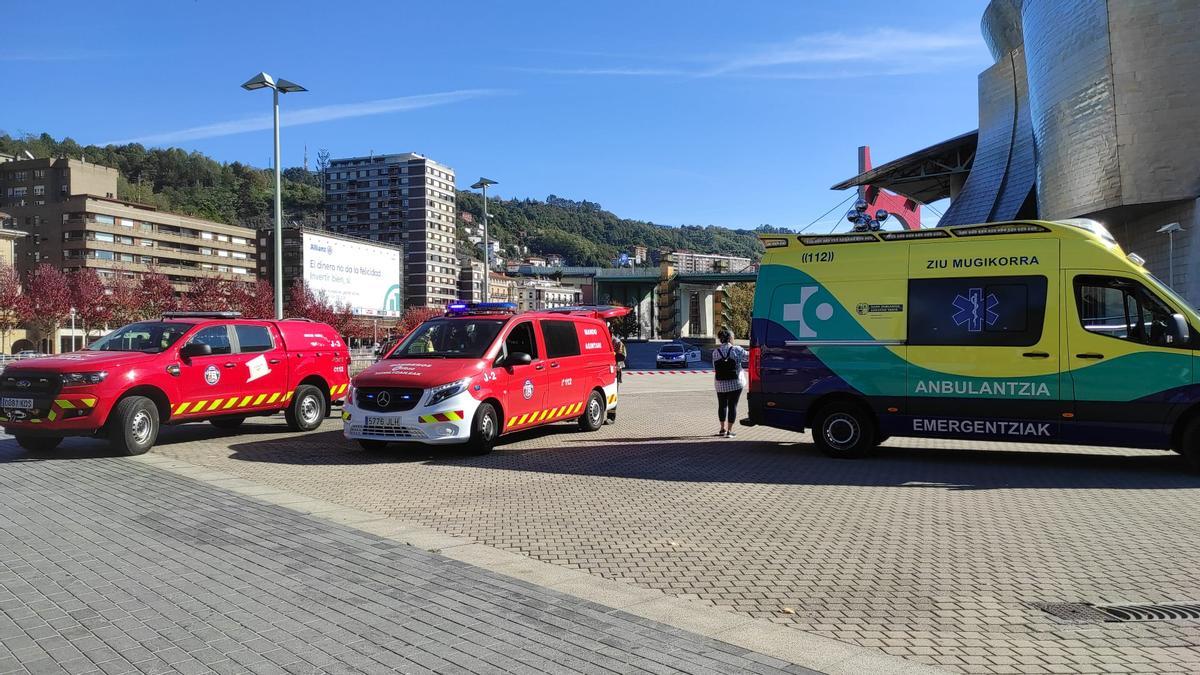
<point x="1178" y="333"/>
<point x="515" y="359"/>
<point x="193" y="349"/>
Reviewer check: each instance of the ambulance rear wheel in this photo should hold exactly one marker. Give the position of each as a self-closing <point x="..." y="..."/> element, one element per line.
<point x="39" y="443"/>
<point x="307" y="410"/>
<point x="594" y="413"/>
<point x="485" y="429"/>
<point x="1190" y="448"/>
<point x="133" y="425"/>
<point x="844" y="430"/>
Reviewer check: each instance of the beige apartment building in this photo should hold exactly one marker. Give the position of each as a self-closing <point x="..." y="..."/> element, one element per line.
<point x="688" y="262"/>
<point x="72" y="218"/>
<point x="537" y="294"/>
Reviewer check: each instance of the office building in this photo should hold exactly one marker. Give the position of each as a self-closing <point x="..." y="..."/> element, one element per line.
<point x="402" y="199"/>
<point x="537" y="294"/>
<point x="73" y="219"/>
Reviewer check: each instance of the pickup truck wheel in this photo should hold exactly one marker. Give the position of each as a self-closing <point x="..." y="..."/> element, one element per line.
<point x="133" y="425"/>
<point x="227" y="422"/>
<point x="593" y="413"/>
<point x="844" y="430"/>
<point x="39" y="443"/>
<point x="307" y="410"/>
<point x="485" y="429"/>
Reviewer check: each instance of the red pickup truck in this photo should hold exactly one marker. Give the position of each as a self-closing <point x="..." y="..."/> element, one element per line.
<point x="187" y="367"/>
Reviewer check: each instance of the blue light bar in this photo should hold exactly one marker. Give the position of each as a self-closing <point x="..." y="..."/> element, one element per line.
<point x="460" y="308"/>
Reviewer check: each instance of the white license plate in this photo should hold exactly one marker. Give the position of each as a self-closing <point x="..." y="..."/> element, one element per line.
<point x="384" y="422"/>
<point x="17" y="403"/>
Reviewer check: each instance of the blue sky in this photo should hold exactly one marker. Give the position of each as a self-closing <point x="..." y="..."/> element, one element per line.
<point x="697" y="112"/>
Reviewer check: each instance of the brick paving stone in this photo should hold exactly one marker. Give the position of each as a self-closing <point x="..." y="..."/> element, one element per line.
<point x="943" y="541"/>
<point x="160" y="573"/>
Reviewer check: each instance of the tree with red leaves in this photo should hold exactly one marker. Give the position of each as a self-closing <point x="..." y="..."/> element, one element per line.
<point x="124" y="296"/>
<point x="48" y="303"/>
<point x="11" y="300"/>
<point x="155" y="295"/>
<point x="415" y="316"/>
<point x="254" y="301"/>
<point x="93" y="306"/>
<point x="208" y="294"/>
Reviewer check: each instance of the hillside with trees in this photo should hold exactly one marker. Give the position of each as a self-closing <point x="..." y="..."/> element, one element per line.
<point x="194" y="184"/>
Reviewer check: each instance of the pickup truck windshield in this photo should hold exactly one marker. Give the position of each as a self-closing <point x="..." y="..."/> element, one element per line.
<point x="449" y="339"/>
<point x="150" y="337"/>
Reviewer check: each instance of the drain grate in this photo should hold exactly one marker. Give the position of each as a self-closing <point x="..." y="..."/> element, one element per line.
<point x="1083" y="612"/>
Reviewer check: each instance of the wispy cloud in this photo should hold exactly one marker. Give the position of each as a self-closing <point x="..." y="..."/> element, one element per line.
<point x="816" y="56"/>
<point x="325" y="113"/>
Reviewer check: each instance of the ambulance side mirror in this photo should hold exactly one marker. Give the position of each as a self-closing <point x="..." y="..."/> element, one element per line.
<point x="515" y="359"/>
<point x="1178" y="331"/>
<point x="194" y="349"/>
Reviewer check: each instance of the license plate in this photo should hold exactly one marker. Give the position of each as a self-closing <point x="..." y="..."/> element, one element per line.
<point x="17" y="403"/>
<point x="384" y="422"/>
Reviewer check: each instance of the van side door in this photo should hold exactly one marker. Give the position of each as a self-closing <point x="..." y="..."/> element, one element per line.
<point x="523" y="386"/>
<point x="1127" y="364"/>
<point x="983" y="340"/>
<point x="567" y="384"/>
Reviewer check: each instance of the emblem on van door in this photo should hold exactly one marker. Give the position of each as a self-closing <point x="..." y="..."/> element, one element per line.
<point x="212" y="375"/>
<point x="527" y="390"/>
<point x="795" y="312"/>
<point x="973" y="312"/>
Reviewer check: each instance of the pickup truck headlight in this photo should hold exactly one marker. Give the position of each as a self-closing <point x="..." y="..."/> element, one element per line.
<point x="446" y="391"/>
<point x="83" y="379"/>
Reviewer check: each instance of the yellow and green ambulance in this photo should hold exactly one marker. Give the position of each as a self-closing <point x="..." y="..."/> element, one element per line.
<point x="1023" y="331"/>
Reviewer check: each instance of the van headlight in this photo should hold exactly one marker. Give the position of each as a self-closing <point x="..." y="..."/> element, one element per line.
<point x="447" y="391"/>
<point x="350" y="395"/>
<point x="82" y="379"/>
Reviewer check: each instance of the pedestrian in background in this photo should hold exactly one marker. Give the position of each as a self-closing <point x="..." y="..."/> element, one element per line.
<point x="727" y="366"/>
<point x="620" y="353"/>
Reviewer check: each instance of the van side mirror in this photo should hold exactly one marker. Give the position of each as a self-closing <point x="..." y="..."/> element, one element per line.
<point x="515" y="359"/>
<point x="193" y="349"/>
<point x="1178" y="333"/>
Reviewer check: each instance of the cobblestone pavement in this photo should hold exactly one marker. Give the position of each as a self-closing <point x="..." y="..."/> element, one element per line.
<point x="932" y="550"/>
<point x="110" y="565"/>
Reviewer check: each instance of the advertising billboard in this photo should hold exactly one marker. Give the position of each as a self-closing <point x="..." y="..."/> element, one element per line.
<point x="362" y="275"/>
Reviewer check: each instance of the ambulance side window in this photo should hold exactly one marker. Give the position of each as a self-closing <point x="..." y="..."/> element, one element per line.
<point x="1123" y="309"/>
<point x="977" y="311"/>
<point x="216" y="337"/>
<point x="561" y="339"/>
<point x="521" y="339"/>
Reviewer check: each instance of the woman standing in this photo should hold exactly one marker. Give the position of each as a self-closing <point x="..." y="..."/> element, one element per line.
<point x="727" y="365"/>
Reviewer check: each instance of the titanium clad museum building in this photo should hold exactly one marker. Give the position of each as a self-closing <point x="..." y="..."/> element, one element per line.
<point x="1091" y="110"/>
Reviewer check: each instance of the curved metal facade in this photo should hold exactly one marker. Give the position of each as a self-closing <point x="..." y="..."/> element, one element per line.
<point x="1115" y="107"/>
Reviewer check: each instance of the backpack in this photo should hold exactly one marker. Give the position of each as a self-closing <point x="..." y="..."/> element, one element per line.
<point x="726" y="366"/>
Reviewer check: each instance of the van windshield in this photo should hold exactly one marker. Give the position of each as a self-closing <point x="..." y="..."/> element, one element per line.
<point x="1190" y="311"/>
<point x="449" y="339"/>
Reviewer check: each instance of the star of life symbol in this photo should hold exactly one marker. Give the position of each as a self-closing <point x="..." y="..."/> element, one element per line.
<point x="973" y="312"/>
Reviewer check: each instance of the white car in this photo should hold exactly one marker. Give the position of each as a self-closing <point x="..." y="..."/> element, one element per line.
<point x="676" y="354"/>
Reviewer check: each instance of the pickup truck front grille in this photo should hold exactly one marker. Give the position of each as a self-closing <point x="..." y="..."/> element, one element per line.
<point x="387" y="399"/>
<point x="35" y="385"/>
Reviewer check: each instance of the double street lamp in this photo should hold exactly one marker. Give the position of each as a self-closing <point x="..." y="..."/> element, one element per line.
<point x="280" y="86"/>
<point x="482" y="184"/>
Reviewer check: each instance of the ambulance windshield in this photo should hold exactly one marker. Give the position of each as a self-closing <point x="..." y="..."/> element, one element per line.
<point x="449" y="339"/>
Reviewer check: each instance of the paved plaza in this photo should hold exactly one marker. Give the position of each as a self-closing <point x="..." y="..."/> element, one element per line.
<point x="933" y="551"/>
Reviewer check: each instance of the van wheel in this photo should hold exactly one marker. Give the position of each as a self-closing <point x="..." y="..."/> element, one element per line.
<point x="593" y="413"/>
<point x="133" y="425"/>
<point x="39" y="443"/>
<point x="485" y="429"/>
<point x="844" y="430"/>
<point x="1190" y="448"/>
<point x="227" y="422"/>
<point x="307" y="410"/>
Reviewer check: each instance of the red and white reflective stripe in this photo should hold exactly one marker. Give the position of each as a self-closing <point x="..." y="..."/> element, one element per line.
<point x="669" y="372"/>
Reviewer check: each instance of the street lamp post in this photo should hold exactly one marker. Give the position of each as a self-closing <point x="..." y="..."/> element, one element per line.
<point x="282" y="86"/>
<point x="72" y="329"/>
<point x="482" y="184"/>
<point x="1170" y="229"/>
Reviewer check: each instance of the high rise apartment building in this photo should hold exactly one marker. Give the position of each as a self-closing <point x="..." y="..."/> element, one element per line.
<point x="72" y="218"/>
<point x="404" y="199"/>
